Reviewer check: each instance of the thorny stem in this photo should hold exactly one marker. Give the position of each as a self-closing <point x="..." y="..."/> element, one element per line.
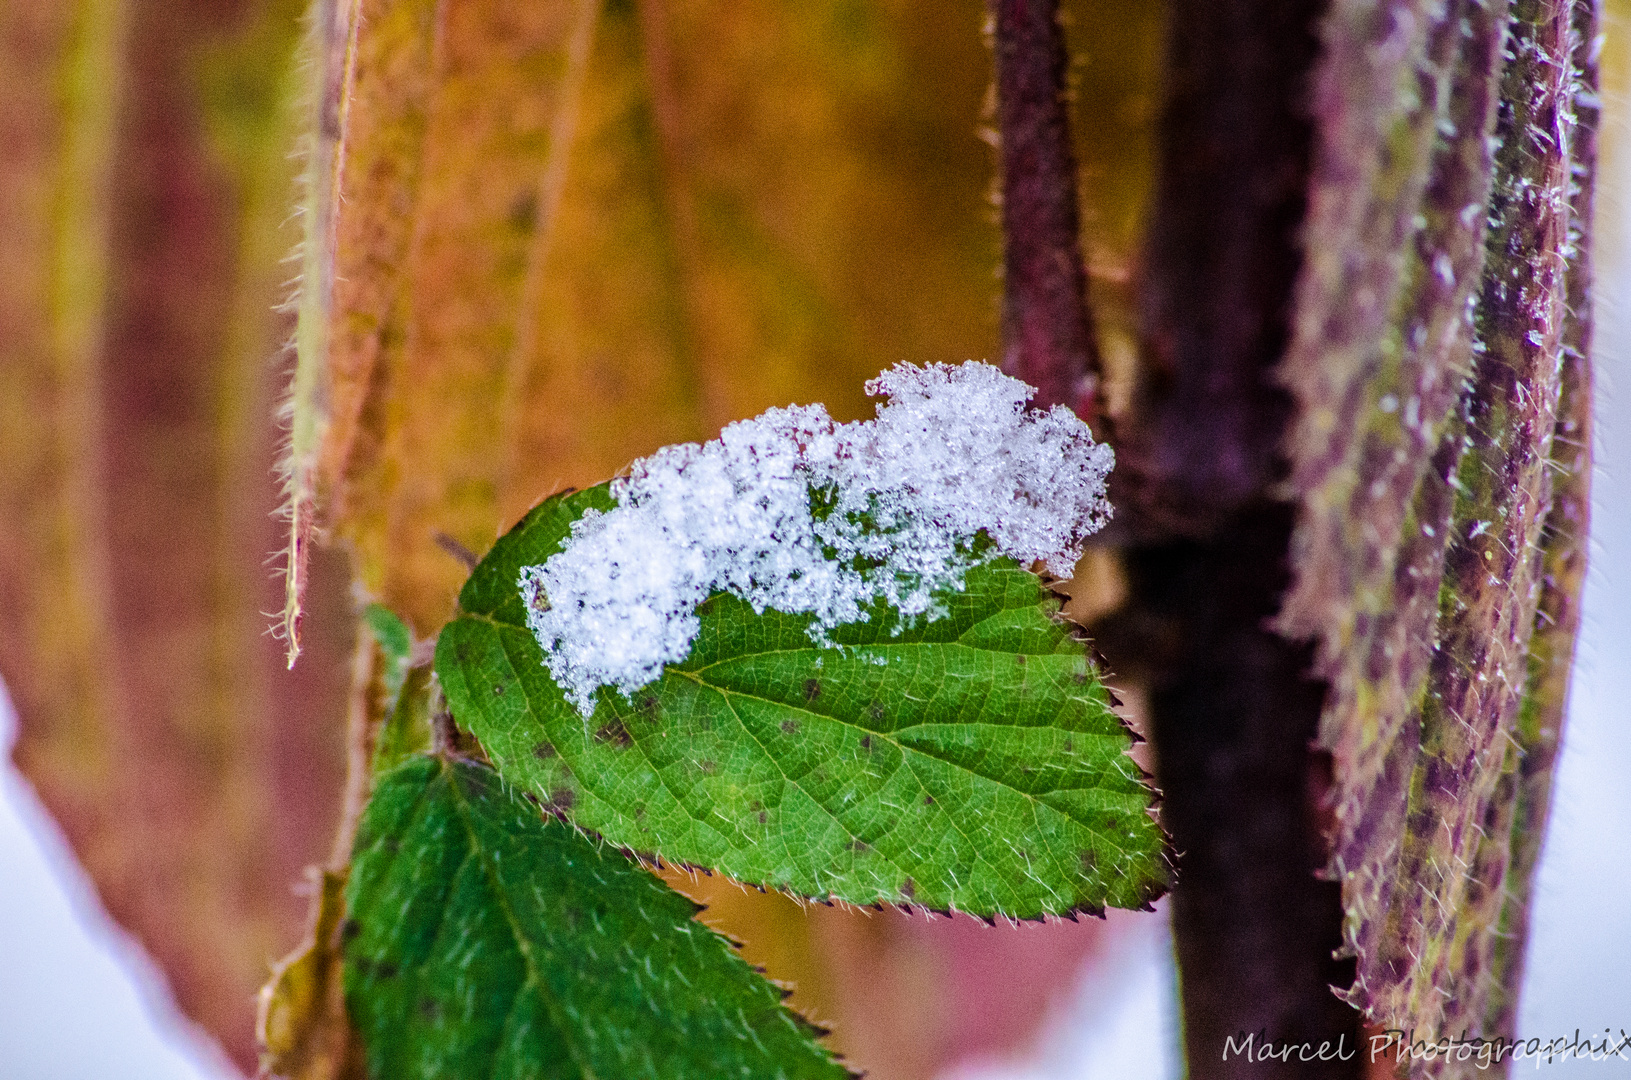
<point x="1046" y="328"/>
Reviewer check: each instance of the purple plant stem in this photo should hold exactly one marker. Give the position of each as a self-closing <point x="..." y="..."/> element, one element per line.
<point x="1232" y="712"/>
<point x="1046" y="329"/>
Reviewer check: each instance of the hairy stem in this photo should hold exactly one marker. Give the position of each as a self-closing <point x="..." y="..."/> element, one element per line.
<point x="1046" y="329"/>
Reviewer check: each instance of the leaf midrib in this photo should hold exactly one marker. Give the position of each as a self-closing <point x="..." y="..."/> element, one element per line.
<point x="905" y="751"/>
<point x="725" y="692"/>
<point x="1042" y="806"/>
<point x="534" y="977"/>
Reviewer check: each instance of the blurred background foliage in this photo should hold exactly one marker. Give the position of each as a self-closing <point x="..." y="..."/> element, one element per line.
<point x="569" y="232"/>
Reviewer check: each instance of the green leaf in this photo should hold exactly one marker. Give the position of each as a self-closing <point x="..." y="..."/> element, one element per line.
<point x="485" y="940"/>
<point x="407" y="727"/>
<point x="393" y="635"/>
<point x="395" y="642"/>
<point x="970" y="763"/>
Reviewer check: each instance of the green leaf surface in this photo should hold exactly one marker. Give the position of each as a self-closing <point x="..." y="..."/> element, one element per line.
<point x="407" y="727"/>
<point x="487" y="941"/>
<point x="969" y="763"/>
<point x="395" y="643"/>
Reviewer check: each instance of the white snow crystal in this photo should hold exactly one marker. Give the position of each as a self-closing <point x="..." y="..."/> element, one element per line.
<point x="794" y="512"/>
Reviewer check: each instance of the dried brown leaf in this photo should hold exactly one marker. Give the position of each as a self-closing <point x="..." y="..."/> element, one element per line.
<point x="560" y="246"/>
<point x="142" y="212"/>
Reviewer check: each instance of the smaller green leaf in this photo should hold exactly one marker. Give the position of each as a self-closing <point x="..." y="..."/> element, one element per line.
<point x="395" y="641"/>
<point x="486" y="941"/>
<point x="407" y="729"/>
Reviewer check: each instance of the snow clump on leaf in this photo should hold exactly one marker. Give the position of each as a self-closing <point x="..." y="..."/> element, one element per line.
<point x="795" y="512"/>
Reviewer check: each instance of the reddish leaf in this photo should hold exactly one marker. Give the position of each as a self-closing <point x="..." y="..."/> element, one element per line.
<point x="142" y="206"/>
<point x="1433" y="391"/>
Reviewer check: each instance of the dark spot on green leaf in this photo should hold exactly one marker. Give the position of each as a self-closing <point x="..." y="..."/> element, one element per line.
<point x="561" y="800"/>
<point x="544" y="751"/>
<point x="428" y="1008"/>
<point x="858" y="846"/>
<point x="498" y="689"/>
<point x="908" y="888"/>
<point x="349" y="929"/>
<point x="866" y="742"/>
<point x="1080" y="678"/>
<point x="790" y="727"/>
<point x="1019" y="658"/>
<point x="812" y="689"/>
<point x="875" y="711"/>
<point x="928" y="800"/>
<point x="708" y="767"/>
<point x="615" y="733"/>
<point x="763" y="817"/>
<point x="1090" y="861"/>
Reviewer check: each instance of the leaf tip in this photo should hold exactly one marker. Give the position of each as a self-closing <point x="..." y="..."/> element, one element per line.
<point x="294" y="578"/>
